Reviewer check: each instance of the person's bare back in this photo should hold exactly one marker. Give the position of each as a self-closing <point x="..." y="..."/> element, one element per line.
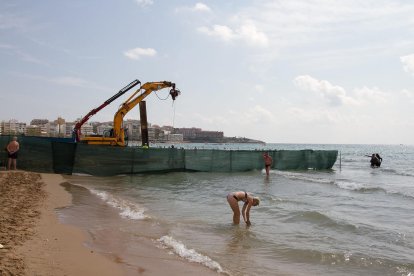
<point x="13" y="146"/>
<point x="12" y="149"/>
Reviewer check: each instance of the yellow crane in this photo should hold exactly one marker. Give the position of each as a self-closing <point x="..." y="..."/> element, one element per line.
<point x="117" y="135"/>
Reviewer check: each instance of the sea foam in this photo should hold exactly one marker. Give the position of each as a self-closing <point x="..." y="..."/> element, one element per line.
<point x="189" y="254"/>
<point x="128" y="209"/>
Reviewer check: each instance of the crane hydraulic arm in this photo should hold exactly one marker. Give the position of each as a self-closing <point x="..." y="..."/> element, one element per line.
<point x="118" y="134"/>
<point x="129" y="104"/>
<point x="77" y="128"/>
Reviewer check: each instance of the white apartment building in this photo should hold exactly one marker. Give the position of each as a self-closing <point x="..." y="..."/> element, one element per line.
<point x="68" y="128"/>
<point x="175" y="138"/>
<point x="87" y="129"/>
<point x="52" y="129"/>
<point x="103" y="129"/>
<point x="12" y="127"/>
<point x="133" y="129"/>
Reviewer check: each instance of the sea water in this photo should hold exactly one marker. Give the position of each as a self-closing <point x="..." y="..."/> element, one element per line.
<point x="351" y="220"/>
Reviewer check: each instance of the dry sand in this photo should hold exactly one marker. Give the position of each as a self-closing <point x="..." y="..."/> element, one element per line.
<point x="35" y="243"/>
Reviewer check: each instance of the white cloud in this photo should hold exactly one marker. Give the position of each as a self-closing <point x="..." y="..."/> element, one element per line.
<point x="251" y="116"/>
<point x="408" y="62"/>
<point x="370" y="95"/>
<point x="68" y="81"/>
<point x="144" y="3"/>
<point x="409" y="94"/>
<point x="257" y="114"/>
<point x="259" y="88"/>
<point x="201" y="7"/>
<point x="137" y="53"/>
<point x="247" y="32"/>
<point x="334" y="94"/>
<point x="242" y="118"/>
<point x="220" y="31"/>
<point x="211" y="120"/>
<point x="328" y="25"/>
<point x="315" y="116"/>
<point x="197" y="8"/>
<point x="71" y="81"/>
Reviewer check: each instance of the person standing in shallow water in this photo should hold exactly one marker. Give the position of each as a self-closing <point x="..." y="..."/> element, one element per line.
<point x="268" y="162"/>
<point x="376" y="160"/>
<point x="249" y="201"/>
<point x="12" y="149"/>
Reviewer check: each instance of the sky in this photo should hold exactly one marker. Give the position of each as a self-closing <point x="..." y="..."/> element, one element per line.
<point x="280" y="71"/>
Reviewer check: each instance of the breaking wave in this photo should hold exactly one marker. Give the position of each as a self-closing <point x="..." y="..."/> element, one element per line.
<point x="189" y="254"/>
<point x="357" y="187"/>
<point x="128" y="209"/>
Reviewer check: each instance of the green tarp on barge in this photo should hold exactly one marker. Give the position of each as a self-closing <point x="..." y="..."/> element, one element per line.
<point x="58" y="155"/>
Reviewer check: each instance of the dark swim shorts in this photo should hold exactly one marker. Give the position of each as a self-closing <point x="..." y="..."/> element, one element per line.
<point x="13" y="155"/>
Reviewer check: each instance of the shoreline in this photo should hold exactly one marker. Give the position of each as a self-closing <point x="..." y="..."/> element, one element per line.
<point x="47" y="246"/>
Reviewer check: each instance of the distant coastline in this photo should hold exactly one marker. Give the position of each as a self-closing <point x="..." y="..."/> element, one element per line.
<point x="223" y="140"/>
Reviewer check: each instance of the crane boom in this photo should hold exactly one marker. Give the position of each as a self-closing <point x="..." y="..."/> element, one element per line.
<point x="146" y="89"/>
<point x="77" y="128"/>
<point x="117" y="137"/>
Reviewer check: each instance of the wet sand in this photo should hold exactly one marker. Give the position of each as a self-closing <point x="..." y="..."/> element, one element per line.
<point x="35" y="242"/>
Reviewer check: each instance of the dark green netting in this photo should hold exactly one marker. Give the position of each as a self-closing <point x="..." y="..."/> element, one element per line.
<point x="35" y="153"/>
<point x="62" y="156"/>
<point x="107" y="160"/>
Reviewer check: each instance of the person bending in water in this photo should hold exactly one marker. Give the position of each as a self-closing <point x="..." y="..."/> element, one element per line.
<point x="249" y="201"/>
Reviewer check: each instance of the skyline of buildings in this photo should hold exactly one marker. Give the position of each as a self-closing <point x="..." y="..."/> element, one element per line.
<point x="63" y="129"/>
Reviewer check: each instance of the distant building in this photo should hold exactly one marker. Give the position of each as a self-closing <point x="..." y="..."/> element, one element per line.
<point x="104" y="129"/>
<point x="60" y="122"/>
<point x="94" y="126"/>
<point x="33" y="130"/>
<point x="13" y="127"/>
<point x="51" y="129"/>
<point x="197" y="134"/>
<point x="87" y="129"/>
<point x="210" y="135"/>
<point x="156" y="133"/>
<point x="175" y="138"/>
<point x="38" y="122"/>
<point x="188" y="133"/>
<point x="167" y="129"/>
<point x="133" y="128"/>
<point x="68" y="128"/>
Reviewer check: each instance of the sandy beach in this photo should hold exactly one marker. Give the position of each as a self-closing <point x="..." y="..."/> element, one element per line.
<point x="35" y="242"/>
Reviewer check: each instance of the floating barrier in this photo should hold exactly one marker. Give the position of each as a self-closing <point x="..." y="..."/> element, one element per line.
<point x="60" y="155"/>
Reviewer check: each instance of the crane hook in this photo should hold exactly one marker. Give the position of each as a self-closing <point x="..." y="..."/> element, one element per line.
<point x="174" y="93"/>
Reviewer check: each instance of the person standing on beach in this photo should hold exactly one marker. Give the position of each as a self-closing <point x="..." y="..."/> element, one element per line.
<point x="268" y="162"/>
<point x="12" y="149"/>
<point x="249" y="201"/>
